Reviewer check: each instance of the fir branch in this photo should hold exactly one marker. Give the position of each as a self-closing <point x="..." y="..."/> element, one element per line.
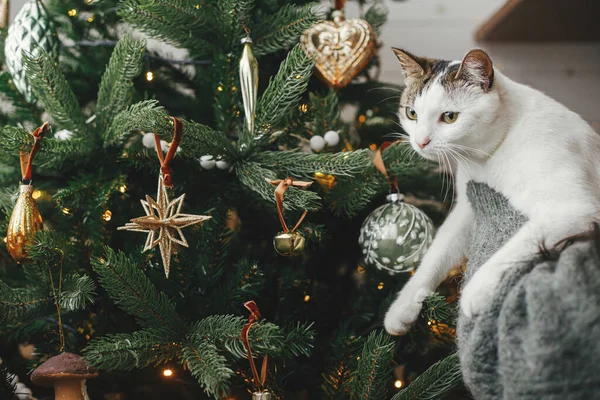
<point x="373" y="370"/>
<point x="116" y="87"/>
<point x="53" y="91"/>
<point x="139" y="117"/>
<point x="253" y="176"/>
<point x="133" y="292"/>
<point x="325" y="112"/>
<point x="436" y="307"/>
<point x="223" y="331"/>
<point x="337" y="379"/>
<point x="126" y="351"/>
<point x="434" y="383"/>
<point x="21" y="109"/>
<point x="243" y="10"/>
<point x="284" y="91"/>
<point x="350" y="195"/>
<point x="176" y="22"/>
<point x="8" y="385"/>
<point x="53" y="152"/>
<point x="304" y="165"/>
<point x="282" y="29"/>
<point x="78" y="292"/>
<point x="208" y="367"/>
<point x="376" y="16"/>
<point x="17" y="305"/>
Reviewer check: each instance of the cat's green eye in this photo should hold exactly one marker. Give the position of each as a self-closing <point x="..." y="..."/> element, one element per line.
<point x="450" y="117"/>
<point x="411" y="114"/>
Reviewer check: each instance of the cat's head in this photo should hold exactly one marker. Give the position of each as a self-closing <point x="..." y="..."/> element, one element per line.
<point x="448" y="104"/>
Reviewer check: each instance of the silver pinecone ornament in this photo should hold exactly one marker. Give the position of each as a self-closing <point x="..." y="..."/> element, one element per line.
<point x="33" y="28"/>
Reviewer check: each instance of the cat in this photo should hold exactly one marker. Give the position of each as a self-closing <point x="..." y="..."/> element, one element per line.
<point x="485" y="127"/>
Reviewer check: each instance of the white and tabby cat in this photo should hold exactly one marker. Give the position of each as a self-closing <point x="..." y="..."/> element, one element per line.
<point x="543" y="157"/>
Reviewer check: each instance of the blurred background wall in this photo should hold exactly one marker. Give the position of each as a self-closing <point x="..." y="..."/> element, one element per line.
<point x="567" y="71"/>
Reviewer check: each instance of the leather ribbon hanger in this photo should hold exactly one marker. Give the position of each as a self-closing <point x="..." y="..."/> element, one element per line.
<point x="27" y="158"/>
<point x="282" y="187"/>
<point x="165" y="160"/>
<point x="254" y="318"/>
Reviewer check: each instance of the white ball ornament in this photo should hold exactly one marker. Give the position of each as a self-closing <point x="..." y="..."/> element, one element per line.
<point x="63" y="134"/>
<point x="332" y="138"/>
<point x="207" y="162"/>
<point x="222" y="164"/>
<point x="148" y="140"/>
<point x="317" y="143"/>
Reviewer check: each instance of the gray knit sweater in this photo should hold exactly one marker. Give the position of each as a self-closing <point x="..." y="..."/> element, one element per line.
<point x="541" y="337"/>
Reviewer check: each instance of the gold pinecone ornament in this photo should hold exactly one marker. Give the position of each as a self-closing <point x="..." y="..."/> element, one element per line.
<point x="342" y="48"/>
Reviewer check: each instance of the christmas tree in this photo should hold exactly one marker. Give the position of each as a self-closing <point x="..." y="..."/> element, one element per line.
<point x="243" y="142"/>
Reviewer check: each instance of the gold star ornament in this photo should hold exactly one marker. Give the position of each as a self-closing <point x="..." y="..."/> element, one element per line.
<point x="163" y="223"/>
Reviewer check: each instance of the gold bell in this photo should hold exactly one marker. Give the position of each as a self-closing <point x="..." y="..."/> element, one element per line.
<point x="24" y="223"/>
<point x="289" y="243"/>
<point x="264" y="395"/>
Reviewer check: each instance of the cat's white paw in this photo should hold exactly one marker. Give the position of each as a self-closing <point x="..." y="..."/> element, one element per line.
<point x="405" y="310"/>
<point x="479" y="292"/>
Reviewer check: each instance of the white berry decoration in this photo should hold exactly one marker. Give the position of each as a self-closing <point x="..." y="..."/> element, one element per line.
<point x="222" y="164"/>
<point x="317" y="143"/>
<point x="148" y="140"/>
<point x="332" y="138"/>
<point x="207" y="162"/>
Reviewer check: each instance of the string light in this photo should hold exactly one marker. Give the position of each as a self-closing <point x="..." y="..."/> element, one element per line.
<point x="66" y="211"/>
<point x="167" y="372"/>
<point x="72" y="12"/>
<point x="91" y="19"/>
<point x="398" y="384"/>
<point x="123" y="188"/>
<point x="36" y="194"/>
<point x="306" y="298"/>
<point x="5" y="239"/>
<point x="380" y="286"/>
<point x="149" y="76"/>
<point x="303" y="108"/>
<point x="362" y="119"/>
<point x="361" y="269"/>
<point x="220" y="88"/>
<point x="107" y="216"/>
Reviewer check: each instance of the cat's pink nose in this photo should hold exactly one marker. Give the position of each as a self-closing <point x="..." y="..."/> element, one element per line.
<point x="424" y="143"/>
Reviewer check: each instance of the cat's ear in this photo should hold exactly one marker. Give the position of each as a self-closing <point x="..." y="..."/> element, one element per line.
<point x="412" y="65"/>
<point x="477" y="66"/>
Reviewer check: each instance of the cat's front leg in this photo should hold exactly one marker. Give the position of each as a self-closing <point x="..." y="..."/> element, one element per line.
<point x="449" y="246"/>
<point x="479" y="292"/>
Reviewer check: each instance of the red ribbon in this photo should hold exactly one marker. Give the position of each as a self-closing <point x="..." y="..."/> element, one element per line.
<point x="27" y="158"/>
<point x="380" y="165"/>
<point x="254" y="317"/>
<point x="282" y="187"/>
<point x="164" y="161"/>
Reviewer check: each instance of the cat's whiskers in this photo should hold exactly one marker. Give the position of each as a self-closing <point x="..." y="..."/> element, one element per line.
<point x="467" y="149"/>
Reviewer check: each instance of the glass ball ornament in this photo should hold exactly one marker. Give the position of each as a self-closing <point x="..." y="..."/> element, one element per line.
<point x="395" y="236"/>
<point x="289" y="243"/>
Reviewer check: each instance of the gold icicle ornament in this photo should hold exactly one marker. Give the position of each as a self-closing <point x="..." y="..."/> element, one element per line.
<point x="249" y="84"/>
<point x="25" y="222"/>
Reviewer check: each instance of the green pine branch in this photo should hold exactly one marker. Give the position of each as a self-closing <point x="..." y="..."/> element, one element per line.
<point x="434" y="383"/>
<point x="78" y="292"/>
<point x="133" y="292"/>
<point x="208" y="367"/>
<point x="337" y="380"/>
<point x="144" y="116"/>
<point x="126" y="351"/>
<point x="253" y="176"/>
<point x="303" y="165"/>
<point x="282" y="29"/>
<point x="223" y="331"/>
<point x="373" y="372"/>
<point x="436" y="307"/>
<point x="325" y="112"/>
<point x="285" y="89"/>
<point x="17" y="305"/>
<point x="376" y="16"/>
<point x="177" y="22"/>
<point x="116" y="87"/>
<point x="53" y="91"/>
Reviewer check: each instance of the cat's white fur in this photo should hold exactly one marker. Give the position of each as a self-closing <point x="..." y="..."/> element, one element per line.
<point x="543" y="157"/>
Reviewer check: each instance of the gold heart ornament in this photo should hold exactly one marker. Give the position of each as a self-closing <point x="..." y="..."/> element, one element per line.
<point x="341" y="48"/>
